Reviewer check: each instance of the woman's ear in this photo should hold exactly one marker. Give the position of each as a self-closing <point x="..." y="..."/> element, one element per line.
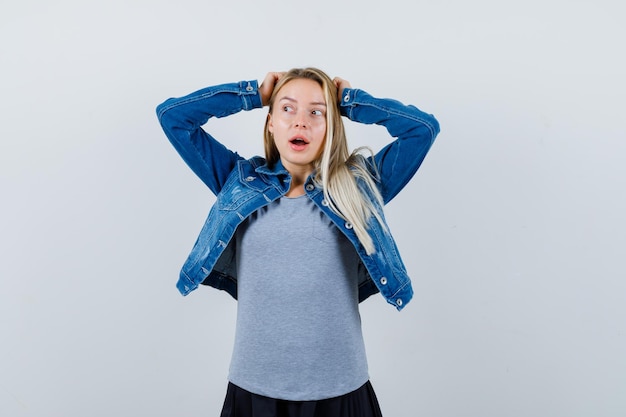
<point x="270" y="124"/>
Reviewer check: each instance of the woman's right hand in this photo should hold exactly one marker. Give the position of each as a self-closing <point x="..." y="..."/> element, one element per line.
<point x="267" y="86"/>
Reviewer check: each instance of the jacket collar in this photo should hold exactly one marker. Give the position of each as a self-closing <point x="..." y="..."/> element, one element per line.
<point x="277" y="169"/>
<point x="277" y="174"/>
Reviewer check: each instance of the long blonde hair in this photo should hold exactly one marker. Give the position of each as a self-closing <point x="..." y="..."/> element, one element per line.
<point x="337" y="170"/>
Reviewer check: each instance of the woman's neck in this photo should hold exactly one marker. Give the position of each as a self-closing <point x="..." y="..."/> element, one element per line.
<point x="299" y="176"/>
<point x="297" y="186"/>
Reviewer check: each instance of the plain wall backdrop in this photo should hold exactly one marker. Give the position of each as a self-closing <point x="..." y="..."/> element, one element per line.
<point x="513" y="230"/>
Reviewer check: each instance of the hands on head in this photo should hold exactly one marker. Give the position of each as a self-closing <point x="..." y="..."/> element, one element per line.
<point x="268" y="84"/>
<point x="340" y="83"/>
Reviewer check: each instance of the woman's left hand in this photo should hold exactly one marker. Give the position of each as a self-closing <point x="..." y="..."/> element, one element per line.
<point x="340" y="83"/>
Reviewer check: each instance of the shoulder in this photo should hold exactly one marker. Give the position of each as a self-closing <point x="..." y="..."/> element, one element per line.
<point x="255" y="161"/>
<point x="247" y="168"/>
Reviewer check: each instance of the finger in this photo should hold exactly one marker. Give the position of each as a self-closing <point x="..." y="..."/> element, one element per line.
<point x="270" y="78"/>
<point x="277" y="76"/>
<point x="267" y="86"/>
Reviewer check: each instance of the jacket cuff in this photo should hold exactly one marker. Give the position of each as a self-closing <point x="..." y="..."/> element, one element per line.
<point x="347" y="96"/>
<point x="249" y="92"/>
<point x="348" y="101"/>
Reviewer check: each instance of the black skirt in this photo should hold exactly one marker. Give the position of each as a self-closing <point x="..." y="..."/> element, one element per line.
<point x="359" y="403"/>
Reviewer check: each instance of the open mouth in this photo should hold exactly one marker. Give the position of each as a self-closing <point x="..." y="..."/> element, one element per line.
<point x="299" y="141"/>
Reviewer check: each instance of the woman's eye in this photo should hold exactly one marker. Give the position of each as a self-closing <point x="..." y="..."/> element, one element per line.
<point x="317" y="113"/>
<point x="287" y="108"/>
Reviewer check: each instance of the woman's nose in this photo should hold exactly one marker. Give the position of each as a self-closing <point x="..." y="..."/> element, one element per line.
<point x="300" y="121"/>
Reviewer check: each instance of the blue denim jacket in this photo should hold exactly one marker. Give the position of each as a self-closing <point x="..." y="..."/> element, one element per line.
<point x="243" y="185"/>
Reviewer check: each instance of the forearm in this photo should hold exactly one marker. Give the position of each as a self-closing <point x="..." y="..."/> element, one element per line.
<point x="414" y="130"/>
<point x="182" y="120"/>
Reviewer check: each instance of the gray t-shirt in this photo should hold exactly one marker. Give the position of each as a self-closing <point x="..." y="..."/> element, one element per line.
<point x="298" y="334"/>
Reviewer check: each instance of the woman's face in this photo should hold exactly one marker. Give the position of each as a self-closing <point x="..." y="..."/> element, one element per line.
<point x="298" y="124"/>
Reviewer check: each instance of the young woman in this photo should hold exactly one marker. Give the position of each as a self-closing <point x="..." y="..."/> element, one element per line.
<point x="299" y="237"/>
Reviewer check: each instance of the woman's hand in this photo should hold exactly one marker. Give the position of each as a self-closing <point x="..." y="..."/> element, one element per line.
<point x="267" y="86"/>
<point x="340" y="83"/>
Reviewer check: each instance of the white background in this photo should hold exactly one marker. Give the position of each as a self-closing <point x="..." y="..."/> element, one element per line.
<point x="513" y="230"/>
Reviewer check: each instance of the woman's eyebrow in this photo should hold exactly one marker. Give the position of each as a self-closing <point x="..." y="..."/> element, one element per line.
<point x="293" y="100"/>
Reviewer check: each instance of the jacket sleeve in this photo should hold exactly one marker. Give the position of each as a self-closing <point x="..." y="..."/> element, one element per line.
<point x="182" y="120"/>
<point x="414" y="130"/>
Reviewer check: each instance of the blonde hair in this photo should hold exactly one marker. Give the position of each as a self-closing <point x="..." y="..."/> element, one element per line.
<point x="337" y="170"/>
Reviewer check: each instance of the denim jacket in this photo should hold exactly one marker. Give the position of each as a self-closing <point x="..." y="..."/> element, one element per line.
<point x="243" y="185"/>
